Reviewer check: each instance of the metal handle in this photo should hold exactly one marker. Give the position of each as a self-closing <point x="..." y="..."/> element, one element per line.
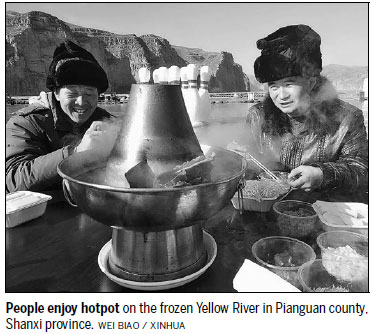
<point x="66" y="193"/>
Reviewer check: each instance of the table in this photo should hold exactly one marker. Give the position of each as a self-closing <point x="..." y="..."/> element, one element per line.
<point x="58" y="251"/>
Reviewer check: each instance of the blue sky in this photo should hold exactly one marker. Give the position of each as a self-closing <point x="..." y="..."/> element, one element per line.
<point x="234" y="28"/>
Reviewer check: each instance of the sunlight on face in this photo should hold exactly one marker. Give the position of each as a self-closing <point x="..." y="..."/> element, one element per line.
<point x="77" y="101"/>
<point x="291" y="95"/>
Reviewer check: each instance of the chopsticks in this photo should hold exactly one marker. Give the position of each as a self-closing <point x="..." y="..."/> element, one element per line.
<point x="259" y="164"/>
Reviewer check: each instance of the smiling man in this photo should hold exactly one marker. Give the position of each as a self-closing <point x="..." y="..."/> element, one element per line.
<point x="318" y="138"/>
<point x="59" y="123"/>
<point x="77" y="101"/>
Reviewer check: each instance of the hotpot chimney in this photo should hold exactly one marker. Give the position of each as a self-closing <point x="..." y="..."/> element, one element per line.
<point x="156" y="135"/>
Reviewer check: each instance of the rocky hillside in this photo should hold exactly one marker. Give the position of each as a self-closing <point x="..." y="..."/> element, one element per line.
<point x="346" y="78"/>
<point x="227" y="75"/>
<point x="32" y="37"/>
<point x="30" y="42"/>
<point x="254" y="84"/>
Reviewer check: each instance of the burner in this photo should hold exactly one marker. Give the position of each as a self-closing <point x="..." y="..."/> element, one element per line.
<point x="103" y="262"/>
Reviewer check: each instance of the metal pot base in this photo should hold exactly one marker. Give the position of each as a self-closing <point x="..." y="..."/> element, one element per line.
<point x="130" y="276"/>
<point x="103" y="262"/>
<point x="155" y="256"/>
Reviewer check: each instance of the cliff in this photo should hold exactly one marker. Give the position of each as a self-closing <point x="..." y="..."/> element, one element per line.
<point x="346" y="78"/>
<point x="32" y="37"/>
<point x="30" y="42"/>
<point x="227" y="76"/>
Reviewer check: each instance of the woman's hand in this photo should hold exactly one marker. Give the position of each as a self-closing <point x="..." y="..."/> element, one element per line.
<point x="305" y="177"/>
<point x="99" y="138"/>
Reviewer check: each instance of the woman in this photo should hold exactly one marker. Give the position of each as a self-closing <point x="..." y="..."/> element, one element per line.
<point x="59" y="123"/>
<point x="302" y="125"/>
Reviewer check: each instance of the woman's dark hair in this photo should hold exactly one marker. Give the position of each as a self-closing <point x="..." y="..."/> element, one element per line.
<point x="322" y="118"/>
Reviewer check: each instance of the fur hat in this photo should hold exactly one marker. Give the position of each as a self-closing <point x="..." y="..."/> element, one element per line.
<point x="73" y="65"/>
<point x="289" y="51"/>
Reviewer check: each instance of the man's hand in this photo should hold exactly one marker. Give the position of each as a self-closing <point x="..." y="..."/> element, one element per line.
<point x="305" y="177"/>
<point x="99" y="138"/>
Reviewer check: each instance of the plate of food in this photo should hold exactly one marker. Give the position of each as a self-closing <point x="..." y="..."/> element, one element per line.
<point x="260" y="195"/>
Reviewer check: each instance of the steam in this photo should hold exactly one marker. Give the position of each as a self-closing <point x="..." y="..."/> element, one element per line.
<point x="101" y="137"/>
<point x="239" y="136"/>
<point x="323" y="91"/>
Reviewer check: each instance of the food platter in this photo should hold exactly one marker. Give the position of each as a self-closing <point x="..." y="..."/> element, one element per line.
<point x="257" y="204"/>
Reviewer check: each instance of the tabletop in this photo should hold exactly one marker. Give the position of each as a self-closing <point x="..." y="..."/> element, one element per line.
<point x="58" y="252"/>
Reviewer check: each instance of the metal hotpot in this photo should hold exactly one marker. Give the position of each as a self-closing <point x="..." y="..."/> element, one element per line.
<point x="157" y="234"/>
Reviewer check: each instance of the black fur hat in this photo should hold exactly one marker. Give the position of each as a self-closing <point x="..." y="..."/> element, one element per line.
<point x="289" y="51"/>
<point x="73" y="65"/>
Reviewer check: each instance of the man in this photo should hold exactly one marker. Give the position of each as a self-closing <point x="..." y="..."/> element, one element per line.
<point x="59" y="123"/>
<point x="302" y="126"/>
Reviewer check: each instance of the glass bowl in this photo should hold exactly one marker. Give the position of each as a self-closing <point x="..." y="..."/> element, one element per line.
<point x="348" y="248"/>
<point x="295" y="218"/>
<point x="283" y="256"/>
<point x="314" y="276"/>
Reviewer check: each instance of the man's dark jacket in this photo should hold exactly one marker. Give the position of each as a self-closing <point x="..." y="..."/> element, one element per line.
<point x="38" y="138"/>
